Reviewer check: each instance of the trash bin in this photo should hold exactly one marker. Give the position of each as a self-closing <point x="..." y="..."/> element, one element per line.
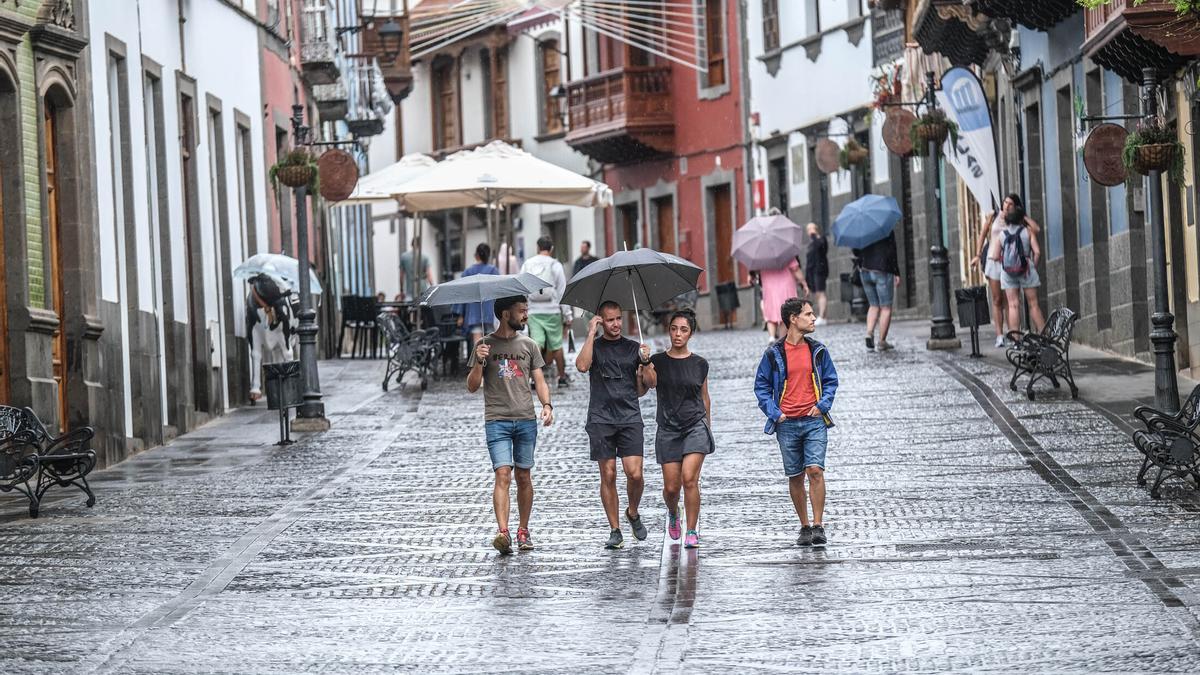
<point x="972" y="306"/>
<point x="727" y="297"/>
<point x="284" y="389"/>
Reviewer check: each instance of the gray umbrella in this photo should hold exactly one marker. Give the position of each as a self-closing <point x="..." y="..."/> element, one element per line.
<point x="646" y="276"/>
<point x="483" y="287"/>
<point x="768" y="243"/>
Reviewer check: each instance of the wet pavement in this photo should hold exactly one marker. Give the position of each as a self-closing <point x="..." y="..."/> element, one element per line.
<point x="970" y="529"/>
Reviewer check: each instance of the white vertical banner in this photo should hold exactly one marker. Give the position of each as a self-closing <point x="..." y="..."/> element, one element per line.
<point x="961" y="97"/>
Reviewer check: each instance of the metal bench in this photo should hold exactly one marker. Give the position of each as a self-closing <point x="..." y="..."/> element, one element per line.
<point x="1170" y="441"/>
<point x="29" y="453"/>
<point x="407" y="350"/>
<point x="1044" y="355"/>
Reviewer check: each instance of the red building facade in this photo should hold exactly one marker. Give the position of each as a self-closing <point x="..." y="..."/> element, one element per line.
<point x="672" y="141"/>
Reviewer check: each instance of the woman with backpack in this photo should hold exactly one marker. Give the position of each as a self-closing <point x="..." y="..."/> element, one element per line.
<point x="990" y="239"/>
<point x="1018" y="254"/>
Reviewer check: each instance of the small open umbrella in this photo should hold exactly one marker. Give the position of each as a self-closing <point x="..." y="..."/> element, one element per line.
<point x="647" y="276"/>
<point x="768" y="242"/>
<point x="278" y="266"/>
<point x="481" y="288"/>
<point x="865" y="221"/>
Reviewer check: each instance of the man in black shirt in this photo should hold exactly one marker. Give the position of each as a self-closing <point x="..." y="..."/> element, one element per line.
<point x="614" y="421"/>
<point x="585" y="258"/>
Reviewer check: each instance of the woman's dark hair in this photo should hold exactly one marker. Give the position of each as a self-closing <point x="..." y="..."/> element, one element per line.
<point x="687" y="315"/>
<point x="483" y="252"/>
<point x="504" y="304"/>
<point x="790" y="308"/>
<point x="1016" y="199"/>
<point x="1016" y="216"/>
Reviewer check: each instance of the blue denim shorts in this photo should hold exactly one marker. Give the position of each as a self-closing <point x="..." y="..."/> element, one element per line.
<point x="802" y="442"/>
<point x="880" y="288"/>
<point x="511" y="442"/>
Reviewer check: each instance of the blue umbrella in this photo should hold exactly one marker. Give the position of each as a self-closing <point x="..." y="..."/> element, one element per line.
<point x="865" y="221"/>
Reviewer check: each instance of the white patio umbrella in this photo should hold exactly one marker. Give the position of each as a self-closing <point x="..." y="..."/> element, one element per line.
<point x="386" y="184"/>
<point x="499" y="174"/>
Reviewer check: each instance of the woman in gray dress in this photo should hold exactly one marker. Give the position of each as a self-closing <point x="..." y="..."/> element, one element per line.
<point x="684" y="417"/>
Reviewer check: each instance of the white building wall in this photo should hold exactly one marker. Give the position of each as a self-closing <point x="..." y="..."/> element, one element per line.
<point x="803" y="92"/>
<point x="150" y="29"/>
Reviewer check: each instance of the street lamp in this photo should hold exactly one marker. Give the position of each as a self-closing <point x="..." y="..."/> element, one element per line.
<point x="391" y="38"/>
<point x="310" y="416"/>
<point x="941" y="333"/>
<point x="1162" y="335"/>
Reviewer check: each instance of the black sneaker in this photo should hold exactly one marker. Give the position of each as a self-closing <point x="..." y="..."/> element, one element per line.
<point x="615" y="540"/>
<point x="870" y="342"/>
<point x="635" y="522"/>
<point x="818" y="535"/>
<point x="563" y="383"/>
<point x="806" y="536"/>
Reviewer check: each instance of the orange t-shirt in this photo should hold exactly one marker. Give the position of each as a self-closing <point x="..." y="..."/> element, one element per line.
<point x="799" y="393"/>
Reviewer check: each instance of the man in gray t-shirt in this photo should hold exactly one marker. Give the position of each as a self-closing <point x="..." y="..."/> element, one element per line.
<point x="503" y="363"/>
<point x="614" y="422"/>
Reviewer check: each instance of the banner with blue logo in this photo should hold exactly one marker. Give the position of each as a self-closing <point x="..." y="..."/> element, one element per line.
<point x="961" y="97"/>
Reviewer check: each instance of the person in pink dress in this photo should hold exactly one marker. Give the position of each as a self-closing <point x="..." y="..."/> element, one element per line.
<point x="778" y="286"/>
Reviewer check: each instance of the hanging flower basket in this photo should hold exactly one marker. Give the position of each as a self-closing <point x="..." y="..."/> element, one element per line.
<point x="296" y="169"/>
<point x="295" y="176"/>
<point x="1156" y="157"/>
<point x="933" y="126"/>
<point x="1154" y="147"/>
<point x="854" y="154"/>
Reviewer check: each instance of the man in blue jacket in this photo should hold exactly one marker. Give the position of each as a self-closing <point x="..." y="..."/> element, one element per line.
<point x="795" y="385"/>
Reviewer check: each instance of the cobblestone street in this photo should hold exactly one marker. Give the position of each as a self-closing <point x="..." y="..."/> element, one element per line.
<point x="970" y="529"/>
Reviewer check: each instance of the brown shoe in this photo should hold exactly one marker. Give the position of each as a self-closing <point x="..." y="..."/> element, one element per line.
<point x="503" y="542"/>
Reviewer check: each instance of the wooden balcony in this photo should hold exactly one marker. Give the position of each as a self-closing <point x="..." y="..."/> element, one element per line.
<point x="622" y="115"/>
<point x="1126" y="39"/>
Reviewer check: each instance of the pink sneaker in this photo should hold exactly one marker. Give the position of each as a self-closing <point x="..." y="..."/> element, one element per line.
<point x="692" y="540"/>
<point x="673" y="530"/>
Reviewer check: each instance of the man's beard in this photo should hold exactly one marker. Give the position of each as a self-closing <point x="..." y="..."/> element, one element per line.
<point x="515" y="325"/>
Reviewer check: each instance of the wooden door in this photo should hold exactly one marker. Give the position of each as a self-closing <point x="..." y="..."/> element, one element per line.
<point x="664" y="213"/>
<point x="722" y="204"/>
<point x="58" y="358"/>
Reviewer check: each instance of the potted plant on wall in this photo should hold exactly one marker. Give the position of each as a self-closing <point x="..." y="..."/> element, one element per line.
<point x="933" y="126"/>
<point x="854" y="154"/>
<point x="1154" y="147"/>
<point x="296" y="169"/>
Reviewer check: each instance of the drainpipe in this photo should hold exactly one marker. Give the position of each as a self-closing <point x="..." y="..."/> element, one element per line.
<point x="182" y="50"/>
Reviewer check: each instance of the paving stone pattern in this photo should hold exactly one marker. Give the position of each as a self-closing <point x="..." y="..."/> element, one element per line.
<point x="970" y="529"/>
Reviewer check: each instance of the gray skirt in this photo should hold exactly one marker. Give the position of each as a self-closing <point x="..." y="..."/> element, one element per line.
<point x="670" y="445"/>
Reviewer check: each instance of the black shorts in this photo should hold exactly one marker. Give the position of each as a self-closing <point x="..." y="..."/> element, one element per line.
<point x="609" y="441"/>
<point x="816" y="282"/>
<point x="670" y="445"/>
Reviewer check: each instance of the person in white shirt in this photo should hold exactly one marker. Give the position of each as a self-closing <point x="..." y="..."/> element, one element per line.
<point x="545" y="312"/>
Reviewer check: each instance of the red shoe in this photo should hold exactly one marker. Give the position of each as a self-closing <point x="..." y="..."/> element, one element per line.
<point x="524" y="541"/>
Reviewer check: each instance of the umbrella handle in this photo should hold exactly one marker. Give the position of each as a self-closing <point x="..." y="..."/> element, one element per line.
<point x="636" y="319"/>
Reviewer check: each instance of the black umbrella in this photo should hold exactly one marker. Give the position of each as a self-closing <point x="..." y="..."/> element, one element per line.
<point x="647" y="276"/>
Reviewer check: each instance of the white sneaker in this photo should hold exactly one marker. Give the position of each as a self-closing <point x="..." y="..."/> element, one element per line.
<point x="821" y="321"/>
<point x="999" y="342"/>
<point x="884" y="345"/>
